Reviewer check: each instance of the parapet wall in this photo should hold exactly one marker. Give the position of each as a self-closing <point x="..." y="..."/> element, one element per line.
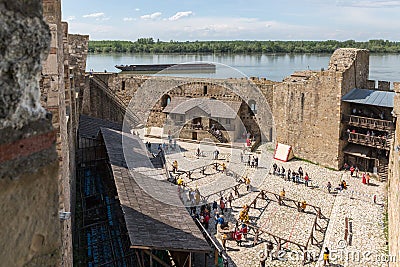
<point x="30" y="224"/>
<point x="394" y="185"/>
<point x="144" y="95"/>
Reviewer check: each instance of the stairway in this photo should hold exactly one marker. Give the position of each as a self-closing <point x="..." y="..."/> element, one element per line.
<point x="157" y="162"/>
<point x="220" y="138"/>
<point x="383" y="169"/>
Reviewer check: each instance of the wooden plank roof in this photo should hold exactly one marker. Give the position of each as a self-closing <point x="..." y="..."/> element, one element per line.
<point x="155" y="216"/>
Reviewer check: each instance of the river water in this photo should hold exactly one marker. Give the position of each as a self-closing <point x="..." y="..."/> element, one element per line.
<point x="384" y="67"/>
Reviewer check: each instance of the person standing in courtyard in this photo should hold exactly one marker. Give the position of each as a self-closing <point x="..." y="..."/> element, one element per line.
<point x="306" y="179"/>
<point x="222" y="205"/>
<point x="300" y="171"/>
<point x="367" y="177"/>
<point x="197" y="196"/>
<point x="329" y="187"/>
<point x="244" y="230"/>
<point x="352" y="169"/>
<point x="326" y="257"/>
<point x="175" y="166"/>
<point x="215" y="206"/>
<point x="230" y="199"/>
<point x="206" y="220"/>
<point x="247" y="182"/>
<point x="263" y="258"/>
<point x="270" y="247"/>
<point x="281" y="196"/>
<point x="274" y="168"/>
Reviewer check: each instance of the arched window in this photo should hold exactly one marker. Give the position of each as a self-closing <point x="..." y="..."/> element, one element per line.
<point x="165" y="100"/>
<point x="253" y="107"/>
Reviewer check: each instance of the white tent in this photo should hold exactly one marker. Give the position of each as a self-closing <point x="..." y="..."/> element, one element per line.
<point x="283" y="152"/>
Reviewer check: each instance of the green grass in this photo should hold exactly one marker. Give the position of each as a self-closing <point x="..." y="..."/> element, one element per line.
<point x="311" y="162"/>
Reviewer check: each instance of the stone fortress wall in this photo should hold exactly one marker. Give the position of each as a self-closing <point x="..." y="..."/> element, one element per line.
<point x="394" y="185"/>
<point x="148" y="93"/>
<point x="29" y="196"/>
<point x="62" y="75"/>
<point x="308" y="107"/>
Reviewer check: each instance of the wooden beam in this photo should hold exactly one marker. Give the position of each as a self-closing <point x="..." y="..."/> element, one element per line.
<point x="157" y="259"/>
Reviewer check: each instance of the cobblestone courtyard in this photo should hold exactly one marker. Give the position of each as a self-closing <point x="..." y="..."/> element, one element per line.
<point x="356" y="204"/>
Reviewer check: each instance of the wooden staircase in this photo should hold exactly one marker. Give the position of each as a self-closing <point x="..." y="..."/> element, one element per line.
<point x="383" y="170"/>
<point x="220" y="138"/>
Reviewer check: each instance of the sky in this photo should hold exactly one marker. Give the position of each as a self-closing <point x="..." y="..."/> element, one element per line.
<point x="190" y="20"/>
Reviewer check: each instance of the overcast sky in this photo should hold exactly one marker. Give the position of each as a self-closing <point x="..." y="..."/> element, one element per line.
<point x="191" y="20"/>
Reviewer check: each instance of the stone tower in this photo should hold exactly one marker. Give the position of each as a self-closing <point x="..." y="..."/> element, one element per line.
<point x="307" y="106"/>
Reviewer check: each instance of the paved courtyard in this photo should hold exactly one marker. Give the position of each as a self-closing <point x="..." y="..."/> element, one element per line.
<point x="365" y="217"/>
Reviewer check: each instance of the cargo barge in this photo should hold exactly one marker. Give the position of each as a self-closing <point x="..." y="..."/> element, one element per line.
<point x="170" y="67"/>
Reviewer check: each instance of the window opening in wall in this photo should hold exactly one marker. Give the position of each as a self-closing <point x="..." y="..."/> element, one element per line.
<point x="253" y="106"/>
<point x="123" y="85"/>
<point x="205" y="90"/>
<point x="165" y="100"/>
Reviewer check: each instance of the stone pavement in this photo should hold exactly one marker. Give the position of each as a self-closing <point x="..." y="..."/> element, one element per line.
<point x="355" y="203"/>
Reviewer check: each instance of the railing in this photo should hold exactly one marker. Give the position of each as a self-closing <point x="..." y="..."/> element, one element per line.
<point x="115" y="98"/>
<point x="371" y="123"/>
<point x="368" y="140"/>
<point x="220" y="137"/>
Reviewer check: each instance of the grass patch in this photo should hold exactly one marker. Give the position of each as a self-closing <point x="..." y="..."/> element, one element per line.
<point x="311" y="162"/>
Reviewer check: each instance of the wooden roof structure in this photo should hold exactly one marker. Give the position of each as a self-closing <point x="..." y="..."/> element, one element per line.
<point x="157" y="220"/>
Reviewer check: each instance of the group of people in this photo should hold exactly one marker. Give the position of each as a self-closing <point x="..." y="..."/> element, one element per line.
<point x="225" y="232"/>
<point x="354" y="171"/>
<point x="362" y="113"/>
<point x="342" y="186"/>
<point x="223" y="204"/>
<point x="295" y="177"/>
<point x="371" y="136"/>
<point x="252" y="161"/>
<point x="194" y="196"/>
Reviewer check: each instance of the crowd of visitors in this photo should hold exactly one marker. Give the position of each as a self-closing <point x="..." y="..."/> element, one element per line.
<point x="296" y="176"/>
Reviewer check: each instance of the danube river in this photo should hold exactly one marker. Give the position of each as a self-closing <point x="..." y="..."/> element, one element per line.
<point x="384" y="67"/>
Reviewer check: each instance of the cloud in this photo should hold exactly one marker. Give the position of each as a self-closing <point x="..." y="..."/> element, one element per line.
<point x="128" y="19"/>
<point x="94" y="15"/>
<point x="151" y="16"/>
<point x="137" y="9"/>
<point x="180" y="15"/>
<point x="71" y="18"/>
<point x="369" y="4"/>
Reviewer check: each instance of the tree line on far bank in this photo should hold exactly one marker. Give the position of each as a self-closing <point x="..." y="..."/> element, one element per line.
<point x="148" y="45"/>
